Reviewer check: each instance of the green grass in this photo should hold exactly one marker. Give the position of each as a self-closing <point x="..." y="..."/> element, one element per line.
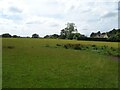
<point x="39" y="63"/>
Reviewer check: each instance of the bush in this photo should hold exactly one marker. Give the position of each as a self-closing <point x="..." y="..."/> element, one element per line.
<point x="10" y="47"/>
<point x="35" y="36"/>
<point x="58" y="45"/>
<point x="77" y="47"/>
<point x="73" y="46"/>
<point x="6" y="35"/>
<point x="47" y="45"/>
<point x="93" y="45"/>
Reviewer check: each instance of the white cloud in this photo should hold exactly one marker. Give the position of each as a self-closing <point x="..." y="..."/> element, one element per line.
<point x="25" y="17"/>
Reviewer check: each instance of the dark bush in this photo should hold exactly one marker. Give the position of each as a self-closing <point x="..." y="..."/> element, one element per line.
<point x="15" y="36"/>
<point x="58" y="45"/>
<point x="87" y="47"/>
<point x="6" y="35"/>
<point x="10" y="47"/>
<point x="65" y="46"/>
<point x="109" y="53"/>
<point x="35" y="36"/>
<point x="47" y="45"/>
<point x="68" y="46"/>
<point x="77" y="47"/>
<point x="73" y="46"/>
<point x="102" y="47"/>
<point x="93" y="45"/>
<point x="113" y="49"/>
<point x="105" y="46"/>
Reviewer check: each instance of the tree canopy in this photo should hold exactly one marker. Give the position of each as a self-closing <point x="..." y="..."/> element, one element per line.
<point x="35" y="36"/>
<point x="68" y="31"/>
<point x="6" y="35"/>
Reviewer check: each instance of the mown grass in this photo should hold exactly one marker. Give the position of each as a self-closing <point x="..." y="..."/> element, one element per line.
<point x="39" y="63"/>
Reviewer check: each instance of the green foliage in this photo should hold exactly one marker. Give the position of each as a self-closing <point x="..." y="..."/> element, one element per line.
<point x="62" y="36"/>
<point x="99" y="49"/>
<point x="70" y="27"/>
<point x="15" y="36"/>
<point x="54" y="36"/>
<point x="67" y="33"/>
<point x="115" y="37"/>
<point x="76" y="36"/>
<point x="70" y="36"/>
<point x="47" y="36"/>
<point x="6" y="35"/>
<point x="35" y="36"/>
<point x="113" y="32"/>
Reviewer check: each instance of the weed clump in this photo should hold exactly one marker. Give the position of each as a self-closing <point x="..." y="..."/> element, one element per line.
<point x="93" y="45"/>
<point x="99" y="49"/>
<point x="10" y="47"/>
<point x="77" y="47"/>
<point x="73" y="46"/>
<point x="113" y="49"/>
<point x="67" y="46"/>
<point x="58" y="45"/>
<point x="47" y="45"/>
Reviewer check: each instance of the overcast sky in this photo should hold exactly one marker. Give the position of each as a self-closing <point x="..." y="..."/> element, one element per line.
<point x="45" y="17"/>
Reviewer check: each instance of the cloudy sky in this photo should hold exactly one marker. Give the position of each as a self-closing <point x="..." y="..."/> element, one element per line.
<point x="45" y="17"/>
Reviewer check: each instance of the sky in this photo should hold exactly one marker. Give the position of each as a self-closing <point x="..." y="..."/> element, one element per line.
<point x="46" y="17"/>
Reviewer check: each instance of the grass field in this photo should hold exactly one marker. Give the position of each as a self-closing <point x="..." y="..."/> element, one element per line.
<point x="39" y="63"/>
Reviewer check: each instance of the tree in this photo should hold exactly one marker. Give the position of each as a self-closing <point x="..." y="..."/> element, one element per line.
<point x="55" y="36"/>
<point x="6" y="35"/>
<point x="15" y="36"/>
<point x="35" y="36"/>
<point x="63" y="34"/>
<point x="113" y="32"/>
<point x="70" y="27"/>
<point x="47" y="36"/>
<point x="70" y="36"/>
<point x="76" y="36"/>
<point x="68" y="31"/>
<point x="115" y="37"/>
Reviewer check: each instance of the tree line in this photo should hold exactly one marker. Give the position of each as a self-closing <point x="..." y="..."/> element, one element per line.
<point x="70" y="32"/>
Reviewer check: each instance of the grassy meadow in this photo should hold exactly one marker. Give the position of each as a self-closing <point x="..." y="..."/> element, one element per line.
<point x="40" y="63"/>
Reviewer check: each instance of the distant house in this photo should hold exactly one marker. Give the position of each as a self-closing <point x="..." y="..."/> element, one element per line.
<point x="99" y="35"/>
<point x="104" y="35"/>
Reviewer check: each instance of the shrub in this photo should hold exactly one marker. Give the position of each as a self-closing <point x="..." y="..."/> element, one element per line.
<point x="95" y="48"/>
<point x="77" y="47"/>
<point x="93" y="45"/>
<point x="47" y="45"/>
<point x="58" y="45"/>
<point x="6" y="35"/>
<point x="87" y="47"/>
<point x="73" y="46"/>
<point x="10" y="47"/>
<point x="113" y="49"/>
